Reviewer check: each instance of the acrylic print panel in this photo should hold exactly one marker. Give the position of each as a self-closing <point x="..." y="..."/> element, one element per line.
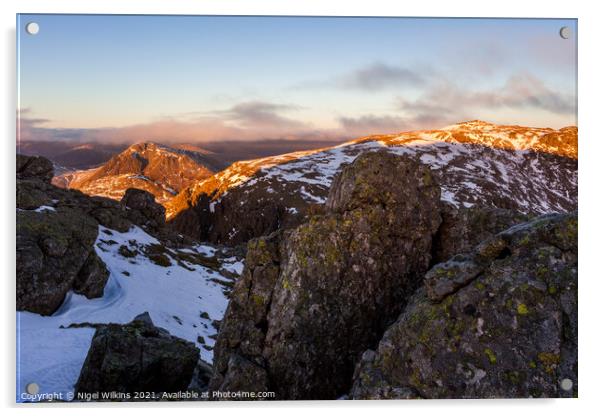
<point x="283" y="208"/>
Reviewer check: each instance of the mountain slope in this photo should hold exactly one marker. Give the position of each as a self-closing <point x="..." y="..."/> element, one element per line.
<point x="530" y="170"/>
<point x="158" y="169"/>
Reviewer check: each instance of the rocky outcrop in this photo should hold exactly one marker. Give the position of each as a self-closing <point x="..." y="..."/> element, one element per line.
<point x="309" y="304"/>
<point x="54" y="244"/>
<point x="152" y="214"/>
<point x="34" y="167"/>
<point x="54" y="255"/>
<point x="56" y="231"/>
<point x="137" y="357"/>
<point x="243" y="330"/>
<point x="498" y="322"/>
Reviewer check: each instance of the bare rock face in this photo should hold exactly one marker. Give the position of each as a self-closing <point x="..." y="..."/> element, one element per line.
<point x="340" y="279"/>
<point x="499" y="322"/>
<point x="137" y="357"/>
<point x="241" y="214"/>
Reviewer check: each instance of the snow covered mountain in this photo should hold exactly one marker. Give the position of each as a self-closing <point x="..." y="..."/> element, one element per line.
<point x="185" y="284"/>
<point x="531" y="170"/>
<point x="160" y="170"/>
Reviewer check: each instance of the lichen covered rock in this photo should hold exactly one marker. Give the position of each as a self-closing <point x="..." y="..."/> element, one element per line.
<point x="243" y="330"/>
<point x="55" y="254"/>
<point x="446" y="278"/>
<point x="509" y="330"/>
<point x="341" y="279"/>
<point x="137" y="357"/>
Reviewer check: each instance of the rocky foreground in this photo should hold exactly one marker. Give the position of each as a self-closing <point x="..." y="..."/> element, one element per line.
<point x="345" y="304"/>
<point x="387" y="291"/>
<point x="56" y="232"/>
<point x="91" y="263"/>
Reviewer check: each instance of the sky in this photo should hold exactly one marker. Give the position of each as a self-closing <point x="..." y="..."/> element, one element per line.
<point x="200" y="78"/>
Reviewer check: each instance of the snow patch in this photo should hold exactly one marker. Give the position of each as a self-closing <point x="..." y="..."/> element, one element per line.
<point x="44" y="208"/>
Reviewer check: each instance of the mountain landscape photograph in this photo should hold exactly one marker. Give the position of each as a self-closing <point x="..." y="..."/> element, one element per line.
<point x="295" y="208"/>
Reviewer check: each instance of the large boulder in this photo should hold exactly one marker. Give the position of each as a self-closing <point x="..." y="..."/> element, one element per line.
<point x="499" y="322"/>
<point x="340" y="280"/>
<point x="55" y="254"/>
<point x="137" y="357"/>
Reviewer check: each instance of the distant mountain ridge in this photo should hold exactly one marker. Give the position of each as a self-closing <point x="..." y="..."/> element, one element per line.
<point x="158" y="169"/>
<point x="71" y="155"/>
<point x="526" y="169"/>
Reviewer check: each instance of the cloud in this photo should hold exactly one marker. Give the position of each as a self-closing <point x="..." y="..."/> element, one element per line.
<point x="379" y="76"/>
<point x="439" y="102"/>
<point x="525" y="90"/>
<point x="373" y="124"/>
<point x="261" y="114"/>
<point x="253" y="120"/>
<point x="445" y="102"/>
<point x="448" y="101"/>
<point x="32" y="128"/>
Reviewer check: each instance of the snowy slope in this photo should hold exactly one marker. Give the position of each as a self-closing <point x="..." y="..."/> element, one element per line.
<point x="514" y="158"/>
<point x="531" y="170"/>
<point x="183" y="298"/>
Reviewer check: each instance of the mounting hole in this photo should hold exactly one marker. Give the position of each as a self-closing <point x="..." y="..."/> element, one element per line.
<point x="566" y="384"/>
<point x="32" y="28"/>
<point x="32" y="388"/>
<point x="565" y="32"/>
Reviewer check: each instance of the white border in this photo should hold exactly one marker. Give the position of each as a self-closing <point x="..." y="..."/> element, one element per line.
<point x="590" y="139"/>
